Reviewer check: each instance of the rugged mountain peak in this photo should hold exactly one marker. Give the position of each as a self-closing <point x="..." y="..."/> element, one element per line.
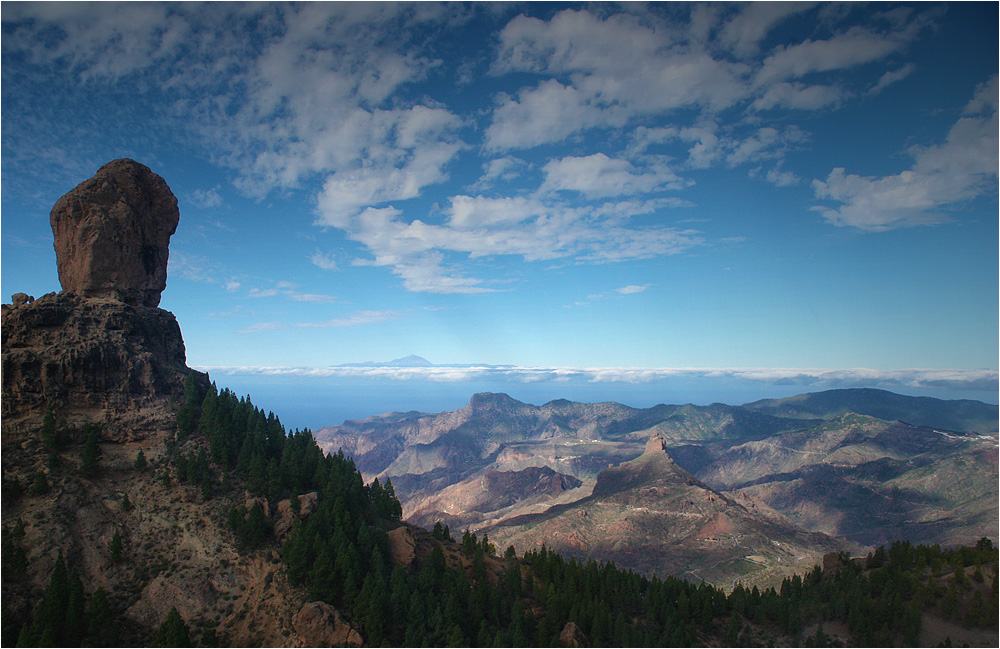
<point x="112" y="231"/>
<point x="656" y="445"/>
<point x="100" y="350"/>
<point x="493" y="400"/>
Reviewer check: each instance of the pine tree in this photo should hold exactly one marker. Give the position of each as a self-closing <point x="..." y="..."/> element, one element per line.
<point x="74" y="622"/>
<point x="978" y="614"/>
<point x="140" y="462"/>
<point x="206" y="486"/>
<point x="50" y="618"/>
<point x="189" y="412"/>
<point x="48" y="430"/>
<point x="173" y="632"/>
<point x="40" y="484"/>
<point x="117" y="551"/>
<point x="91" y="456"/>
<point x="101" y="626"/>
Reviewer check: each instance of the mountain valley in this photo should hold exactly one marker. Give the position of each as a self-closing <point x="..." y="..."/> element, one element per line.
<point x="820" y="468"/>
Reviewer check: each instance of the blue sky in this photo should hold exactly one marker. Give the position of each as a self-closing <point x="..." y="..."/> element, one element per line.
<point x="778" y="190"/>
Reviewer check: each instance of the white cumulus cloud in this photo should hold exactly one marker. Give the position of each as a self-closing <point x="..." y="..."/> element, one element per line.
<point x="962" y="167"/>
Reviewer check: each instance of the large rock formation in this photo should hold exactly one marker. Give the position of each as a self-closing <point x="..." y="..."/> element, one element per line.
<point x="100" y="350"/>
<point x="112" y="231"/>
<point x="89" y="359"/>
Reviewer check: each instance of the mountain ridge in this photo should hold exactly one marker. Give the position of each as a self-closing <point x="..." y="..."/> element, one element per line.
<point x="798" y="471"/>
<point x="962" y="415"/>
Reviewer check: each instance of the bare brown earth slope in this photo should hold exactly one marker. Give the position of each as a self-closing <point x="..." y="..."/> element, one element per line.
<point x="652" y="516"/>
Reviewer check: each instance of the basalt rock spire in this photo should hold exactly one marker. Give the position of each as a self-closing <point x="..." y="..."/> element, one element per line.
<point x="112" y="231"/>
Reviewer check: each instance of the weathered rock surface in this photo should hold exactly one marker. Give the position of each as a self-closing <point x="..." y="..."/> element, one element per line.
<point x="94" y="359"/>
<point x="573" y="636"/>
<point x="112" y="232"/>
<point x="320" y="625"/>
<point x="308" y="502"/>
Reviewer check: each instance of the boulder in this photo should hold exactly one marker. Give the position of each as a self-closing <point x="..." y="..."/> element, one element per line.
<point x="20" y="299"/>
<point x="573" y="636"/>
<point x="320" y="625"/>
<point x="286" y="515"/>
<point x="112" y="232"/>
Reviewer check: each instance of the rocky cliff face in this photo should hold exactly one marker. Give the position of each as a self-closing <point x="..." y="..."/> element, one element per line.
<point x="94" y="359"/>
<point x="100" y="350"/>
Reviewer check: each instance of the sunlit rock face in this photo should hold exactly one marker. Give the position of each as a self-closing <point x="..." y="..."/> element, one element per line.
<point x="112" y="232"/>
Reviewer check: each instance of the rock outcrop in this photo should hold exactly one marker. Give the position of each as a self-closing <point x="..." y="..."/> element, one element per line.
<point x="100" y="360"/>
<point x="112" y="232"/>
<point x="656" y="445"/>
<point x="308" y="502"/>
<point x="320" y="625"/>
<point x="100" y="350"/>
<point x="573" y="636"/>
<point x="402" y="546"/>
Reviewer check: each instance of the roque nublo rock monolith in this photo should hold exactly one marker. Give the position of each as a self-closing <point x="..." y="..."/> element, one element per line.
<point x="100" y="349"/>
<point x="112" y="232"/>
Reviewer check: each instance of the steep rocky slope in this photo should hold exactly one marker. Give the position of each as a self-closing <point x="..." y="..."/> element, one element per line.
<point x="492" y="495"/>
<point x="870" y="480"/>
<point x="90" y="359"/>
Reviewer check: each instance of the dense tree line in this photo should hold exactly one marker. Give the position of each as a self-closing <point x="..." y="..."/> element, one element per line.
<point x="273" y="464"/>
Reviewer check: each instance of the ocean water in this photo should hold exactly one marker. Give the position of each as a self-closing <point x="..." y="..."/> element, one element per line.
<point x="317" y="401"/>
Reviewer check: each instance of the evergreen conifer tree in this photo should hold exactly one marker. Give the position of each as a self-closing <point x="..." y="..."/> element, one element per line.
<point x="173" y="632"/>
<point x="91" y="456"/>
<point x="117" y="550"/>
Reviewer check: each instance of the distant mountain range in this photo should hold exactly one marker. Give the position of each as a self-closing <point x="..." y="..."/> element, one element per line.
<point x="841" y="469"/>
<point x="952" y="414"/>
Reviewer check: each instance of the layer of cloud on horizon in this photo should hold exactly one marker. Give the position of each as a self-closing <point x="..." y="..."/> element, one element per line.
<point x="951" y="380"/>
